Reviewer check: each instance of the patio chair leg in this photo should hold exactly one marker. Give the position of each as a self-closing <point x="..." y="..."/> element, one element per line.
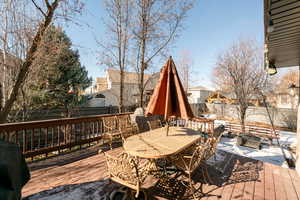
<point x="137" y="194"/>
<point x="192" y="187"/>
<point x="110" y="143"/>
<point x="206" y="175"/>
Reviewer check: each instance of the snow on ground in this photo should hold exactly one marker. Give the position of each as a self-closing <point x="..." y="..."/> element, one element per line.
<point x="271" y="154"/>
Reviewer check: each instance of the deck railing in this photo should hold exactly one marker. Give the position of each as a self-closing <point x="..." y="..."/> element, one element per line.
<point x="42" y="137"/>
<point x="200" y="124"/>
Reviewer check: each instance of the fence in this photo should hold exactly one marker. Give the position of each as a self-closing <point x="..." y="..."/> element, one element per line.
<point x="199" y="108"/>
<point x="282" y="117"/>
<point x="45" y="114"/>
<point x="42" y="137"/>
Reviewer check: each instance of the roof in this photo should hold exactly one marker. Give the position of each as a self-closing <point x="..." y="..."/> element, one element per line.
<point x="101" y="80"/>
<point x="130" y="77"/>
<point x="199" y="88"/>
<point x="282" y="44"/>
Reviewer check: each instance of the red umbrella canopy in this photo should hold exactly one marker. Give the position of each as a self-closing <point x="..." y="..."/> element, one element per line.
<point x="169" y="98"/>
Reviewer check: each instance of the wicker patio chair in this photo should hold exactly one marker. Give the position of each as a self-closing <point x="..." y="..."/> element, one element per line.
<point x="111" y="130"/>
<point x="130" y="171"/>
<point x="154" y="124"/>
<point x="212" y="143"/>
<point x="214" y="140"/>
<point x="189" y="160"/>
<point x="127" y="128"/>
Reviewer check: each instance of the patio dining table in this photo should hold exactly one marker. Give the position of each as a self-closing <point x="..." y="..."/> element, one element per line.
<point x="157" y="144"/>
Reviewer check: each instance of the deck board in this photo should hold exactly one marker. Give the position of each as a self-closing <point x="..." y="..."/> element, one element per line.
<point x="259" y="186"/>
<point x="296" y="181"/>
<point x="238" y="191"/>
<point x="273" y="182"/>
<point x="269" y="183"/>
<point x="279" y="189"/>
<point x="215" y="193"/>
<point x="288" y="184"/>
<point x="249" y="190"/>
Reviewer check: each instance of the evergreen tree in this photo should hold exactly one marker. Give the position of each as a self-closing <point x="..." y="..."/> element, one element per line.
<point x="62" y="78"/>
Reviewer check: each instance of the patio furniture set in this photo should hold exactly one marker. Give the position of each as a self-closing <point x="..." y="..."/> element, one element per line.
<point x="148" y="156"/>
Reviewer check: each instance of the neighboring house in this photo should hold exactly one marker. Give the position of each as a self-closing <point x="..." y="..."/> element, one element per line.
<point x="198" y="94"/>
<point x="101" y="84"/>
<point x="109" y="86"/>
<point x="283" y="99"/>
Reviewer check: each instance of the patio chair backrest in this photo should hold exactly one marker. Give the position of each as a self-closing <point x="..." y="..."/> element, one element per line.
<point x="110" y="124"/>
<point x="214" y="140"/>
<point x="191" y="158"/>
<point x="128" y="170"/>
<point x="153" y="124"/>
<point x="218" y="132"/>
<point x="127" y="128"/>
<point x="123" y="121"/>
<point x="197" y="157"/>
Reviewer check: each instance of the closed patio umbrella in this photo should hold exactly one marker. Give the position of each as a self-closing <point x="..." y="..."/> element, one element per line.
<point x="169" y="98"/>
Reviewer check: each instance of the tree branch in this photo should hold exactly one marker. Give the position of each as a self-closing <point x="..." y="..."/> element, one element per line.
<point x="48" y="4"/>
<point x="39" y="8"/>
<point x="165" y="44"/>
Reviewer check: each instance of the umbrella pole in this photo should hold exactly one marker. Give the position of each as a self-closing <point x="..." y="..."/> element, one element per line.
<point x="167" y="127"/>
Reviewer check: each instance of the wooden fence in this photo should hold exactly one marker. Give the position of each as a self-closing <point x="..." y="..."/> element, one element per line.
<point x="42" y="137"/>
<point x="46" y="114"/>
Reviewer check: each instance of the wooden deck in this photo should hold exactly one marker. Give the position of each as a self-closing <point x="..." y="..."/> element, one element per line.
<point x="269" y="182"/>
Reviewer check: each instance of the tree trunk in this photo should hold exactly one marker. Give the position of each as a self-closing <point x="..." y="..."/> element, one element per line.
<point x="141" y="88"/>
<point x="143" y="67"/>
<point x="1" y="98"/>
<point x="121" y="103"/>
<point x="145" y="10"/>
<point x="24" y="68"/>
<point x="243" y="116"/>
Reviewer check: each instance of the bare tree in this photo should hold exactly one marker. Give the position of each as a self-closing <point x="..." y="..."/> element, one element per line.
<point x="239" y="71"/>
<point x="115" y="50"/>
<point x="184" y="67"/>
<point x="42" y="13"/>
<point x="157" y="23"/>
<point x="18" y="23"/>
<point x="15" y="33"/>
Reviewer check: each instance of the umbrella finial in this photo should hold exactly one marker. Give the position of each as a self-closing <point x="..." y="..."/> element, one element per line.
<point x="170" y="57"/>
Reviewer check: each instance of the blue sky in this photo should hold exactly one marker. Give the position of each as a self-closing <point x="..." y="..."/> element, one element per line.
<point x="211" y="26"/>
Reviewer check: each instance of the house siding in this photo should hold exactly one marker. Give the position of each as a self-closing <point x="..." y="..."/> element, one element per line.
<point x="198" y="96"/>
<point x="298" y="143"/>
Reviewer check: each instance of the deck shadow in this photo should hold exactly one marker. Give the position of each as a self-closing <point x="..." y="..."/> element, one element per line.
<point x="237" y="169"/>
<point x="70" y="157"/>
